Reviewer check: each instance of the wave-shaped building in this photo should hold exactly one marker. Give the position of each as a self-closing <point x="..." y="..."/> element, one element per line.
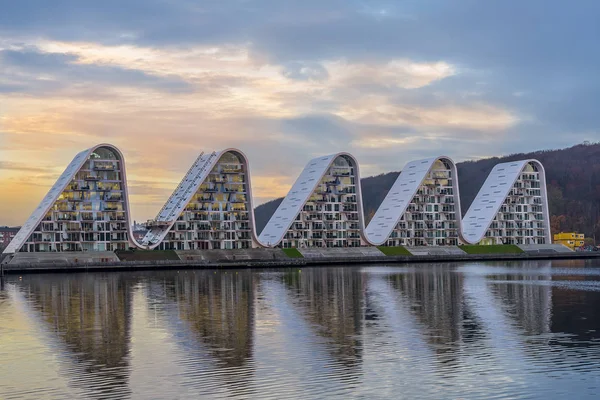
<point x="210" y="209"/>
<point x="322" y="209"/>
<point x="87" y="209"/>
<point x="511" y="207"/>
<point x="421" y="209"/>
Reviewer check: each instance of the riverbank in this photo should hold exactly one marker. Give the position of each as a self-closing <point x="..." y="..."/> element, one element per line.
<point x="280" y="262"/>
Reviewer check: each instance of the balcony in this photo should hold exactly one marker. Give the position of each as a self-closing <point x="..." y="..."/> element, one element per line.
<point x="104" y="167"/>
<point x="91" y="178"/>
<point x="66" y="219"/>
<point x="340" y="174"/>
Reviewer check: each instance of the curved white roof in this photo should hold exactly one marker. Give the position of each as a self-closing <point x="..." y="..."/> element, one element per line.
<point x="184" y="192"/>
<point x="491" y="196"/>
<point x="59" y="186"/>
<point x="399" y="197"/>
<point x="301" y="190"/>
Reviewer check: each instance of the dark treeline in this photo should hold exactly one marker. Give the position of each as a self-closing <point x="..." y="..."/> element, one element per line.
<point x="573" y="177"/>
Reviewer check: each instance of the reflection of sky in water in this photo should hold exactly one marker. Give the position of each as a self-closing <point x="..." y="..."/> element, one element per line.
<point x="465" y="330"/>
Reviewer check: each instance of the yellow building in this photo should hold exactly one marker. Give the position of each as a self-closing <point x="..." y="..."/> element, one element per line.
<point x="570" y="239"/>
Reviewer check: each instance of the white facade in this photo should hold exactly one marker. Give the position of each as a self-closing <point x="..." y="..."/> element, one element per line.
<point x="322" y="209"/>
<point x="511" y="207"/>
<point x="87" y="209"/>
<point x="210" y="209"/>
<point x="421" y="209"/>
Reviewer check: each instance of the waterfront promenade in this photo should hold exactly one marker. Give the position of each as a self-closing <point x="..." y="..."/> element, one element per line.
<point x="272" y="258"/>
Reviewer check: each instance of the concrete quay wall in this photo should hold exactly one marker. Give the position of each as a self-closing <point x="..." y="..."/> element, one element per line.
<point x="271" y="261"/>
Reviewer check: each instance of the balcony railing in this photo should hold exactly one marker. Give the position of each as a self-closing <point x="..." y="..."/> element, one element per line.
<point x="104" y="167"/>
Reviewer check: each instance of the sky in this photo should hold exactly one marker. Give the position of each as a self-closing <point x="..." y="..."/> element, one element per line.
<point x="286" y="81"/>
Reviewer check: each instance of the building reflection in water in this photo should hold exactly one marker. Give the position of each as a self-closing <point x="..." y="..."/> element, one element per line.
<point x="90" y="314"/>
<point x="546" y="297"/>
<point x="332" y="300"/>
<point x="525" y="294"/>
<point x="435" y="298"/>
<point x="423" y="331"/>
<point x="218" y="309"/>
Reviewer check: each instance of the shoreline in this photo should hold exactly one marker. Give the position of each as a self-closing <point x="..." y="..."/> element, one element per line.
<point x="112" y="266"/>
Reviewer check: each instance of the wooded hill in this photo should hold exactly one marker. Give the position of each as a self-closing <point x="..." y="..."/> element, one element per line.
<point x="572" y="174"/>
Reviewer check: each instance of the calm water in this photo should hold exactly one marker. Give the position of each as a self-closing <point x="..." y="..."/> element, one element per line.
<point x="495" y="330"/>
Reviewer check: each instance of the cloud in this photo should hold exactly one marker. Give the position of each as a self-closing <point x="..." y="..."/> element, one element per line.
<point x="22" y="167"/>
<point x="305" y="71"/>
<point x="39" y="68"/>
<point x="481" y="117"/>
<point x="287" y="81"/>
<point x="385" y="142"/>
<point x="399" y="73"/>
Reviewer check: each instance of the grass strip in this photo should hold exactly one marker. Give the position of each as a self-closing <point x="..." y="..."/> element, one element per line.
<point x="293" y="253"/>
<point x="491" y="249"/>
<point x="394" y="251"/>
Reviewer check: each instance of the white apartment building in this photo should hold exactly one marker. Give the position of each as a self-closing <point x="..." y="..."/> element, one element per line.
<point x="322" y="209"/>
<point x="87" y="209"/>
<point x="210" y="209"/>
<point x="421" y="209"/>
<point x="511" y="207"/>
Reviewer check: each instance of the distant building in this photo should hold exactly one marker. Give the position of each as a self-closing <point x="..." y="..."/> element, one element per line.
<point x="138" y="235"/>
<point x="570" y="239"/>
<point x="7" y="234"/>
<point x="322" y="209"/>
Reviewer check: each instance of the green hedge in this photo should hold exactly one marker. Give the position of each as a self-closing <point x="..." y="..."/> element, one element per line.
<point x="491" y="249"/>
<point x="293" y="253"/>
<point x="394" y="251"/>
